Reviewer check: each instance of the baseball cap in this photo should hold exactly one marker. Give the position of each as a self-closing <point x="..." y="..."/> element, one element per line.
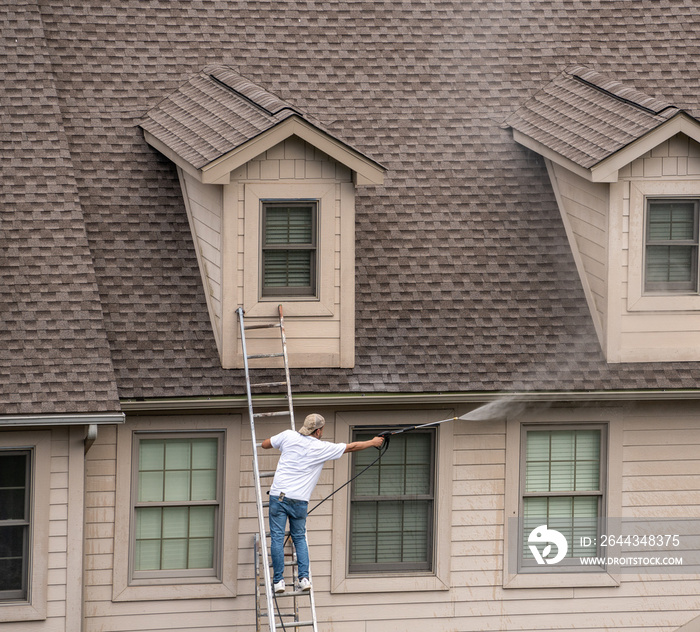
<point x="313" y="422"/>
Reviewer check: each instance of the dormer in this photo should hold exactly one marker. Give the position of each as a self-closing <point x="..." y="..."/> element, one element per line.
<point x="625" y="170"/>
<point x="270" y="198"/>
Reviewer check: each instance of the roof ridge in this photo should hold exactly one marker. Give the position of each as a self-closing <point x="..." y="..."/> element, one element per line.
<point x="619" y="91"/>
<point x="247" y="90"/>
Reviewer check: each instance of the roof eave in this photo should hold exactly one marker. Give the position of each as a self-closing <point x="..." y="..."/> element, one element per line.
<point x="607" y="169"/>
<point x="368" y="171"/>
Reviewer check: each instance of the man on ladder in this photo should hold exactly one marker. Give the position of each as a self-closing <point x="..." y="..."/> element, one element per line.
<point x="298" y="471"/>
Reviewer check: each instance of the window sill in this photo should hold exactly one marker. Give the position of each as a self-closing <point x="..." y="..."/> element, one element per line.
<point x="21" y="611"/>
<point x="214" y="589"/>
<point x="387" y="583"/>
<point x="560" y="580"/>
<point x="663" y="303"/>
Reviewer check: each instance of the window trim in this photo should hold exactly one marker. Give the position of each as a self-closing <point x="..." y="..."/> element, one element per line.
<point x="637" y="298"/>
<point x="401" y="581"/>
<point x="401" y="567"/>
<point x="287" y="292"/>
<point x="25" y="522"/>
<point x="513" y="576"/>
<point x="126" y="588"/>
<point x="323" y="303"/>
<point x="656" y="288"/>
<point x="563" y="566"/>
<point x="34" y="607"/>
<point x="166" y="576"/>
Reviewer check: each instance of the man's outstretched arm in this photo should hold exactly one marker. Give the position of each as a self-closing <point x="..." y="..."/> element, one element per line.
<point x="356" y="446"/>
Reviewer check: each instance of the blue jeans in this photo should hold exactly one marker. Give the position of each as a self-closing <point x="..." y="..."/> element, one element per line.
<point x="279" y="512"/>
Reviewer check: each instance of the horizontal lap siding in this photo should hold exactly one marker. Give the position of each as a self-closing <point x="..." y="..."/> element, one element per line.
<point x="312" y="341"/>
<point x="586" y="207"/>
<point x="104" y="615"/>
<point x="661" y="477"/>
<point x="204" y="203"/>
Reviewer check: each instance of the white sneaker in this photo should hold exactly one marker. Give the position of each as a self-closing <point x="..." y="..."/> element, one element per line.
<point x="279" y="587"/>
<point x="304" y="584"/>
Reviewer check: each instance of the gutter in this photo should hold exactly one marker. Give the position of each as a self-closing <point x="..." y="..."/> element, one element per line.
<point x="62" y="420"/>
<point x="394" y="399"/>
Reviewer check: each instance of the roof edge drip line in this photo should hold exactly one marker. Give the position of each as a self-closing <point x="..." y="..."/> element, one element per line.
<point x="78" y="419"/>
<point x="403" y="399"/>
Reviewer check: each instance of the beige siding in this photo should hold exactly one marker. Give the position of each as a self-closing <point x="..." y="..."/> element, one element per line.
<point x="204" y="204"/>
<point x="660" y="477"/>
<point x="649" y="328"/>
<point x="319" y="333"/>
<point x="584" y="208"/>
<point x="56" y="533"/>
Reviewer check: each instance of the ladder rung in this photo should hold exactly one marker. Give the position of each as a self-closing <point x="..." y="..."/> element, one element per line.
<point x="262" y="326"/>
<point x="257" y="356"/>
<point x="296" y="624"/>
<point x="270" y="384"/>
<point x="277" y="413"/>
<point x="266" y="474"/>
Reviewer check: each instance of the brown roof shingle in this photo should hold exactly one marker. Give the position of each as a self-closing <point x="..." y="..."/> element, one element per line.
<point x="465" y="281"/>
<point x="213" y="113"/>
<point x="54" y="353"/>
<point x="586" y="117"/>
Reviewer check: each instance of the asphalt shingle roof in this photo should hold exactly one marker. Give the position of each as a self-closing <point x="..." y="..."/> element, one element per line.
<point x="586" y="118"/>
<point x="54" y="354"/>
<point x="465" y="280"/>
<point x="216" y="111"/>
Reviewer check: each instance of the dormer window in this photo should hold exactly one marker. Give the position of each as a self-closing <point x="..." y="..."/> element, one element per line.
<point x="289" y="249"/>
<point x="671" y="250"/>
<point x="625" y="172"/>
<point x="270" y="198"/>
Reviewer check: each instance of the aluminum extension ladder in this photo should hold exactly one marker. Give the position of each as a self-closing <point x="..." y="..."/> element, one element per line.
<point x="272" y="612"/>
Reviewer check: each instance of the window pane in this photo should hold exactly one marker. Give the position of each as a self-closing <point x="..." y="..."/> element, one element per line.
<point x="148" y="523"/>
<point x="13" y="474"/>
<point x="204" y="454"/>
<point x="671" y="220"/>
<point x="177" y="486"/>
<point x="175" y="522"/>
<point x="150" y="486"/>
<point x="670" y="263"/>
<point x="151" y="455"/>
<point x="288" y="224"/>
<point x="177" y="454"/>
<point x="363" y="542"/>
<point x="180" y="536"/>
<point x="147" y="555"/>
<point x="202" y="522"/>
<point x="174" y="554"/>
<point x="287" y="268"/>
<point x="393" y="530"/>
<point x="201" y="553"/>
<point x="204" y="485"/>
<point x="562" y="460"/>
<point x="12" y="551"/>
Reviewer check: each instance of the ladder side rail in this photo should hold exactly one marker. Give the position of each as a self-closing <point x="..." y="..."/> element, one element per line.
<point x="312" y="601"/>
<point x="283" y="336"/>
<point x="256" y="476"/>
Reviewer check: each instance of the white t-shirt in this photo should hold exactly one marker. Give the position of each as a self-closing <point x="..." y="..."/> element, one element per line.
<point x="301" y="462"/>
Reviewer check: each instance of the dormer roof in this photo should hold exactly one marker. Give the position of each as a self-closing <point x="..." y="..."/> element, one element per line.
<point x="594" y="125"/>
<point x="218" y="120"/>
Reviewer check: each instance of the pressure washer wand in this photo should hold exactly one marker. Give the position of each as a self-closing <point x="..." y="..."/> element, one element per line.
<point x="387" y="434"/>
